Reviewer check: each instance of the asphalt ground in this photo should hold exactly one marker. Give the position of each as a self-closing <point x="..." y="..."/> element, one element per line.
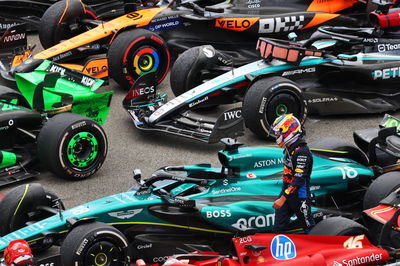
<point x="130" y="148"/>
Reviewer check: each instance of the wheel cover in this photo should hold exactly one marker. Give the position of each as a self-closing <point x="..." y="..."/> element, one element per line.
<point x="100" y="259"/>
<point x="279" y="104"/>
<point x="281" y="109"/>
<point x="82" y="149"/>
<point x="103" y="253"/>
<point x="145" y="60"/>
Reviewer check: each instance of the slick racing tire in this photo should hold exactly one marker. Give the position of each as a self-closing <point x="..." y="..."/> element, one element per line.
<point x="20" y="206"/>
<point x="137" y="52"/>
<point x="380" y="188"/>
<point x="51" y="31"/>
<point x="183" y="77"/>
<point x="186" y="71"/>
<point x="9" y="95"/>
<point x="95" y="243"/>
<point x="72" y="146"/>
<point x="268" y="98"/>
<point x="338" y="226"/>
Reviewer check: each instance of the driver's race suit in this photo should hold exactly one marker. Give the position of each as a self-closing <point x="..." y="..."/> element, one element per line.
<point x="298" y="164"/>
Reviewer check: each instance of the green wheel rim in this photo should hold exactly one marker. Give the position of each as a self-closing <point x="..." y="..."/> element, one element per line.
<point x="82" y="149"/>
<point x="281" y="109"/>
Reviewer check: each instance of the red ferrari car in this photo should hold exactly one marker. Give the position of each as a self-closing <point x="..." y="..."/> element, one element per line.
<point x="273" y="249"/>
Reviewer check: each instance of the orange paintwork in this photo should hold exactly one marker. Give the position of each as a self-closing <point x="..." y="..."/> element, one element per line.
<point x="97" y="68"/>
<point x="330" y="6"/>
<point x="73" y="66"/>
<point x="18" y="59"/>
<point x="319" y="19"/>
<point x="139" y="18"/>
<point x="236" y="24"/>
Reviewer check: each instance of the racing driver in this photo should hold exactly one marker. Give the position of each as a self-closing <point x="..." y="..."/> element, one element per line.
<point x="295" y="197"/>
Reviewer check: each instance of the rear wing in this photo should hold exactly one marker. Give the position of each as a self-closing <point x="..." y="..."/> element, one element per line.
<point x="72" y="75"/>
<point x="15" y="37"/>
<point x="53" y="88"/>
<point x="13" y="49"/>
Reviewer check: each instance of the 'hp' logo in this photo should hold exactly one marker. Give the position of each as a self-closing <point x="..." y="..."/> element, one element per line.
<point x="282" y="248"/>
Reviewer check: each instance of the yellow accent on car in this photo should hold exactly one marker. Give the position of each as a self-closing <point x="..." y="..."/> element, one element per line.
<point x="23" y="196"/>
<point x="329" y="150"/>
<point x="176" y="225"/>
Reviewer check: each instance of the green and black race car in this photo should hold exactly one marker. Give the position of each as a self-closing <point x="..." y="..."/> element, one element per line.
<point x="197" y="207"/>
<point x="55" y="117"/>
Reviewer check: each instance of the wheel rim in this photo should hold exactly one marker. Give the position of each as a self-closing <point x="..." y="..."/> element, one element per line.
<point x="279" y="104"/>
<point x="100" y="259"/>
<point x="145" y="60"/>
<point x="103" y="253"/>
<point x="281" y="109"/>
<point x="82" y="149"/>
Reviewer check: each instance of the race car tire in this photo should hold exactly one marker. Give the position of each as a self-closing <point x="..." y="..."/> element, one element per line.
<point x="336" y="144"/>
<point x="338" y="226"/>
<point x="94" y="243"/>
<point x="17" y="203"/>
<point x="137" y="52"/>
<point x="51" y="32"/>
<point x="380" y="188"/>
<point x="183" y="76"/>
<point x="20" y="205"/>
<point x="72" y="146"/>
<point x="267" y="98"/>
<point x="9" y="95"/>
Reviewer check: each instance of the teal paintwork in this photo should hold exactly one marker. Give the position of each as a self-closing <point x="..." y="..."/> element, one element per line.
<point x="243" y="198"/>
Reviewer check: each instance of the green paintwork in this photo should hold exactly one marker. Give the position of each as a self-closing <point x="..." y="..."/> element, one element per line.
<point x="391" y="121"/>
<point x="85" y="100"/>
<point x="244" y="198"/>
<point x="279" y="108"/>
<point x="82" y="142"/>
<point x="9" y="107"/>
<point x="8" y="159"/>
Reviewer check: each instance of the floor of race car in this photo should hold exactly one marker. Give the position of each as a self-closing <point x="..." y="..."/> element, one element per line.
<point x="130" y="148"/>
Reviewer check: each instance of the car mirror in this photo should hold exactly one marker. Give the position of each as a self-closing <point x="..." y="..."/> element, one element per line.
<point x="137" y="176"/>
